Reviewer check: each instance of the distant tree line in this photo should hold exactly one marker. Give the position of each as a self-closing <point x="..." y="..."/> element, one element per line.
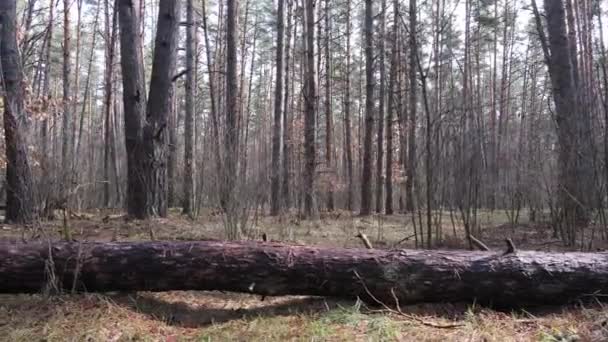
<point x="304" y="106"/>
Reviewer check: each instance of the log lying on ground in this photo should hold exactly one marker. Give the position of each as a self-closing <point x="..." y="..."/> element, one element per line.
<point x="407" y="276"/>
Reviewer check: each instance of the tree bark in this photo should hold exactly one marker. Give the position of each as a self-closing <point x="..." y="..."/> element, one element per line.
<point x="410" y="276"/>
<point x="20" y="199"/>
<point x="391" y="107"/>
<point x="347" y="109"/>
<point x="492" y="160"/>
<point x="46" y="183"/>
<point x="159" y="103"/>
<point x="604" y="98"/>
<point x="248" y="111"/>
<point x="85" y="98"/>
<point x="134" y="102"/>
<point x="75" y="97"/>
<point x="366" y="176"/>
<point x="275" y="172"/>
<point x="411" y="153"/>
<point x="572" y="164"/>
<point x="66" y="159"/>
<point x="188" y="204"/>
<point x="381" y="95"/>
<point x="228" y="195"/>
<point x="309" y="115"/>
<point x="288" y="108"/>
<point x="110" y="32"/>
<point x="212" y="91"/>
<point x="146" y="129"/>
<point x="173" y="122"/>
<point x="329" y="126"/>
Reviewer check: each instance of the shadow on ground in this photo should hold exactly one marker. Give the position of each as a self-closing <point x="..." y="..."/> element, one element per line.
<point x="216" y="307"/>
<point x="200" y="309"/>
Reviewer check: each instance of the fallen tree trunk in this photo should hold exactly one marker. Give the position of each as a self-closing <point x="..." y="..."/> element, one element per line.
<point x="274" y="269"/>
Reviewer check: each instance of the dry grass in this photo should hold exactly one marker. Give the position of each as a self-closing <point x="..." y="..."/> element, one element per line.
<point x="215" y="316"/>
<point x="193" y="316"/>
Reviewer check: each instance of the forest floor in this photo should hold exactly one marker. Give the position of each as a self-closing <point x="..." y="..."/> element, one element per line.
<point x="217" y="316"/>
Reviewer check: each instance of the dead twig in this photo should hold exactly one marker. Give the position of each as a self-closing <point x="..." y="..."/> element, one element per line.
<point x="365" y="240"/>
<point x="479" y="244"/>
<point x="51" y="286"/>
<point x="404" y="239"/>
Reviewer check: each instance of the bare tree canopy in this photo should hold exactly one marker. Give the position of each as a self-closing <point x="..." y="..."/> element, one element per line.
<point x="310" y="108"/>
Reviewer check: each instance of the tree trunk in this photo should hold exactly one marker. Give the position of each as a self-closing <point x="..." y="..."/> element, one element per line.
<point x="173" y="121"/>
<point x="605" y="91"/>
<point x="409" y="276"/>
<point x="229" y="199"/>
<point x="46" y="183"/>
<point x="67" y="105"/>
<point x="110" y="36"/>
<point x="241" y="126"/>
<point x="329" y="126"/>
<point x="212" y="92"/>
<point x="188" y="204"/>
<point x="75" y="97"/>
<point x="571" y="162"/>
<point x="391" y="107"/>
<point x="288" y="108"/>
<point x="366" y="176"/>
<point x="248" y="112"/>
<point x="347" y="109"/>
<point x="402" y="112"/>
<point x="492" y="158"/>
<point x="504" y="109"/>
<point x="20" y="199"/>
<point x="380" y="155"/>
<point x="275" y="172"/>
<point x="309" y="115"/>
<point x="86" y="96"/>
<point x="115" y="130"/>
<point x="411" y="153"/>
<point x="134" y="101"/>
<point x="159" y="105"/>
<point x="146" y="130"/>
